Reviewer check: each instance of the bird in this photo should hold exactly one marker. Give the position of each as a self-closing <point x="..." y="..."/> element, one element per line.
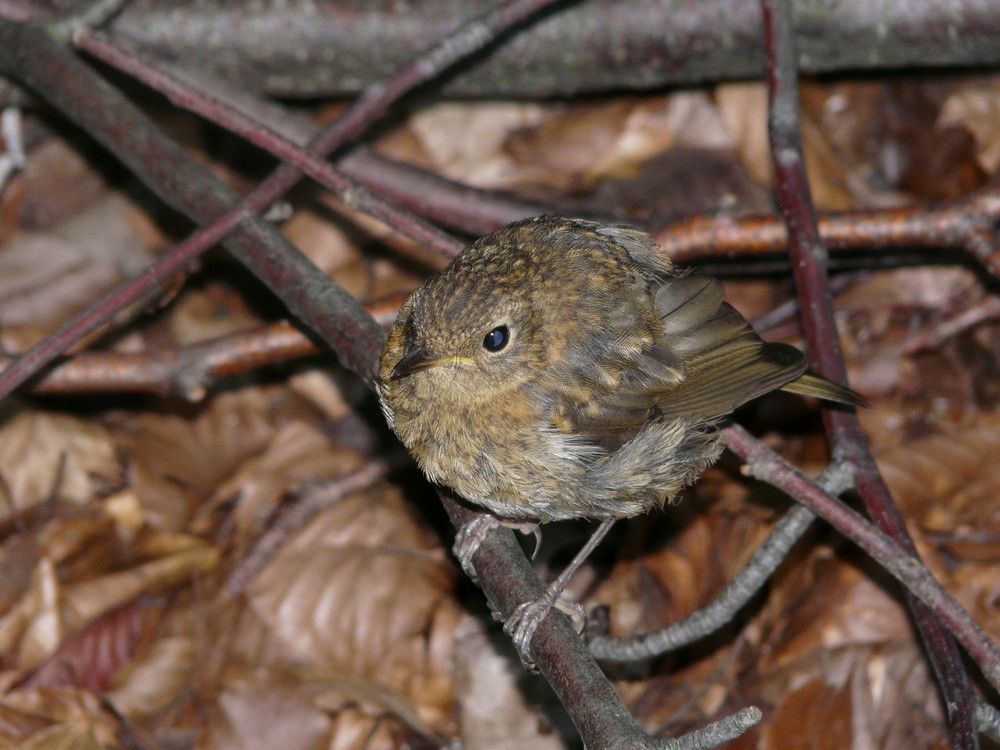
<point x="561" y="368"/>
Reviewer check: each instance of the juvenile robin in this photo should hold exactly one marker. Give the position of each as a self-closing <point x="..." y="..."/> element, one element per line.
<point x="562" y="369"/>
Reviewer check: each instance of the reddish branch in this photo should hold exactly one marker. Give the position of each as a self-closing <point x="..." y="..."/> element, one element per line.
<point x="29" y="55"/>
<point x="809" y="268"/>
<point x="190" y="371"/>
<point x="966" y="224"/>
<point x="764" y="464"/>
<point x="355" y="195"/>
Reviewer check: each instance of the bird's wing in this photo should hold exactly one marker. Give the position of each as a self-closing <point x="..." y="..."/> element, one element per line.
<point x="726" y="362"/>
<point x="705" y="361"/>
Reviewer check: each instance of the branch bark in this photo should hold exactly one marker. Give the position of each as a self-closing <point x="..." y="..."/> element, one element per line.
<point x="337" y="47"/>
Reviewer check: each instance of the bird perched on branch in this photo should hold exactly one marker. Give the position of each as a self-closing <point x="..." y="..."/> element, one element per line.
<point x="562" y="369"/>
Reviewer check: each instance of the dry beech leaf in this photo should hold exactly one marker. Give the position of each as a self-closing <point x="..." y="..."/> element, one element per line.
<point x="465" y="140"/>
<point x="176" y="462"/>
<point x="588" y="141"/>
<point x="878" y="321"/>
<point x="37" y="625"/>
<point x="977" y="109"/>
<point x="679" y="573"/>
<point x="63" y="537"/>
<point x="75" y="717"/>
<point x="362" y="591"/>
<point x="822" y="605"/>
<point x="330" y="247"/>
<point x="46" y="277"/>
<point x="810" y="717"/>
<point x="16" y="725"/>
<point x="743" y="108"/>
<point x="354" y="730"/>
<point x="265" y="710"/>
<point x="495" y="711"/>
<point x="297" y="453"/>
<point x="32" y="628"/>
<point x="322" y="391"/>
<point x="58" y="183"/>
<point x="150" y="683"/>
<point x="877" y="697"/>
<point x="835" y="627"/>
<point x="87" y="600"/>
<point x="19" y="554"/>
<point x="47" y="455"/>
<point x="210" y="311"/>
<point x="948" y="483"/>
<point x="91" y="658"/>
<point x="373" y="698"/>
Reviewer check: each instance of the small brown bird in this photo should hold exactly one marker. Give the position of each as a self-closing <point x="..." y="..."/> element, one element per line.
<point x="563" y="369"/>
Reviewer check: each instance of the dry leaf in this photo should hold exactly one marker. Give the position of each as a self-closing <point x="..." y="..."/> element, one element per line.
<point x="75" y="720"/>
<point x="46" y="277"/>
<point x="465" y="140"/>
<point x="977" y="109"/>
<point x="47" y="456"/>
<point x="176" y="462"/>
<point x="362" y="591"/>
<point x="298" y="453"/>
<point x="495" y="710"/>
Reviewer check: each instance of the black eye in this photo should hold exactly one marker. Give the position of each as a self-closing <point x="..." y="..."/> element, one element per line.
<point x="496" y="339"/>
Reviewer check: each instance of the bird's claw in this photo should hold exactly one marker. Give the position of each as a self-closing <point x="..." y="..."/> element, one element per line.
<point x="471" y="535"/>
<point x="524" y="621"/>
<point x="468" y="539"/>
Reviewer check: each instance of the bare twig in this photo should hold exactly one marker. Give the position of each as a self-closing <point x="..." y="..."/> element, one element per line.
<point x="965" y="225"/>
<point x="721" y="610"/>
<point x="426" y="194"/>
<point x="764" y="464"/>
<point x="352" y="193"/>
<point x="189" y="371"/>
<point x="306" y="507"/>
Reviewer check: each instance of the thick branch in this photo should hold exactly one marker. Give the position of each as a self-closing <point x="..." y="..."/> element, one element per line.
<point x="336" y="47"/>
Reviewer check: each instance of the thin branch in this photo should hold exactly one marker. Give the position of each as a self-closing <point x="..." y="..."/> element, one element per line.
<point x="722" y="609"/>
<point x="965" y="224"/>
<point x="28" y="54"/>
<point x="307" y="506"/>
<point x="809" y="267"/>
<point x="764" y="464"/>
<point x="190" y="371"/>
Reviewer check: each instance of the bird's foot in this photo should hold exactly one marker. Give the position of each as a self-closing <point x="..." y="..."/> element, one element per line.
<point x="524" y="620"/>
<point x="470" y="536"/>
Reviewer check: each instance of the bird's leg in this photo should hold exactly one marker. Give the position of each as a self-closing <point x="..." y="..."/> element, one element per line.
<point x="524" y="620"/>
<point x="470" y="535"/>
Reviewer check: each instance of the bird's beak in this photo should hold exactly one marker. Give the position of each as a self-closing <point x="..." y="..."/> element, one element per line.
<point x="417" y="359"/>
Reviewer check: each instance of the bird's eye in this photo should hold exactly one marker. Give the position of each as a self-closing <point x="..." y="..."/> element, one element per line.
<point x="496" y="339"/>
